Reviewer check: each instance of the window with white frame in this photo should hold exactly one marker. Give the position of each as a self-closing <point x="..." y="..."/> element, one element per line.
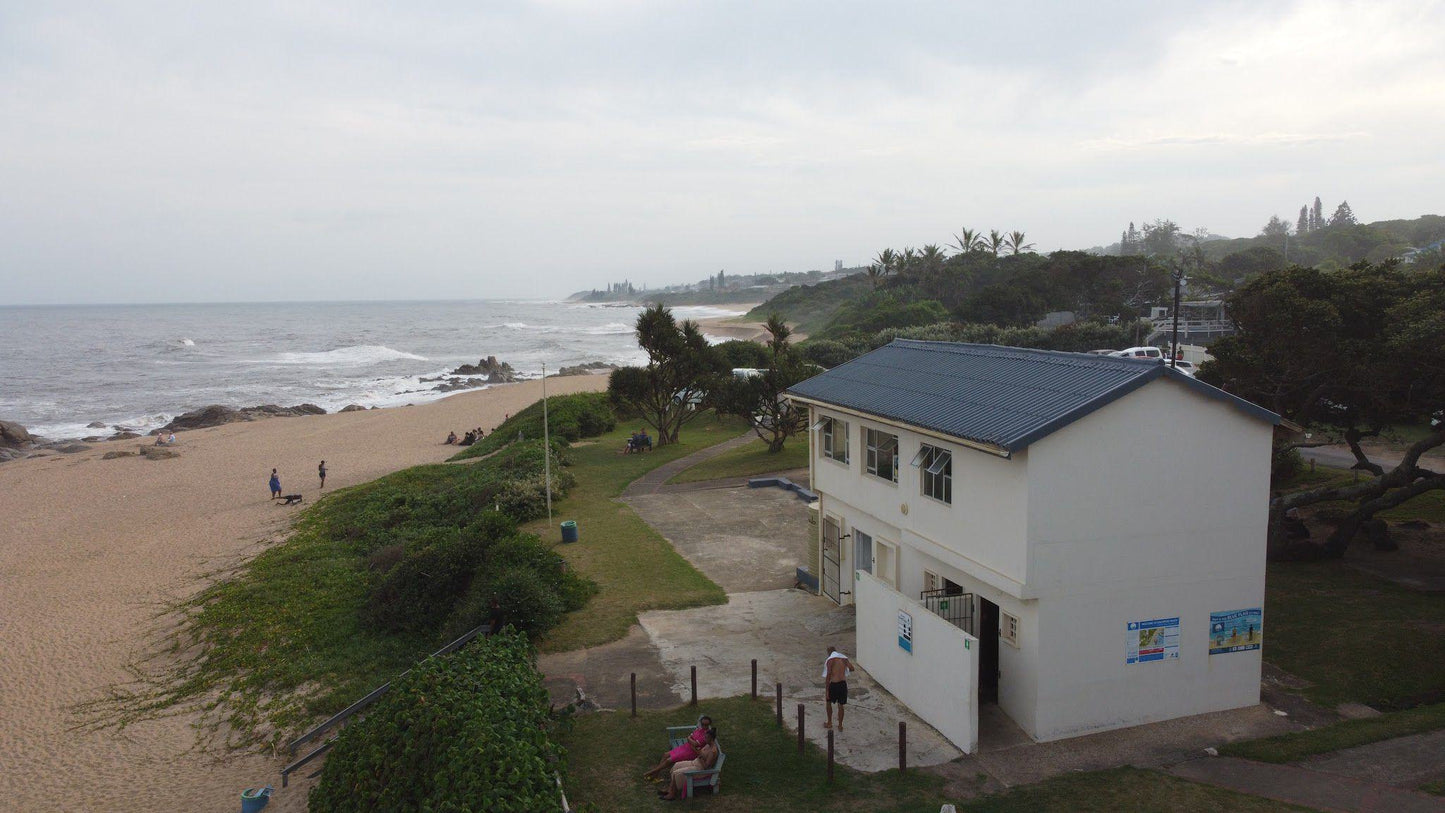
<point x="1008" y="629"/>
<point x="882" y="454"/>
<point x="936" y="464"/>
<point x="834" y="439"/>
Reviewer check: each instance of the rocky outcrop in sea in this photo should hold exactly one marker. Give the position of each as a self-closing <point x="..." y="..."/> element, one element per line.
<point x="496" y="372"/>
<point x="218" y="415"/>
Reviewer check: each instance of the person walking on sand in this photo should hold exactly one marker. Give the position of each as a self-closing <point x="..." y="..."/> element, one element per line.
<point x="835" y="678"/>
<point x="321" y="470"/>
<point x="275" y="484"/>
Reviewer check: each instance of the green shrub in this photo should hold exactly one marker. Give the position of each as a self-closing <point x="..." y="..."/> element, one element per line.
<point x="828" y="352"/>
<point x="420" y="591"/>
<point x="569" y="417"/>
<point x="743" y="353"/>
<point x="470" y="731"/>
<point x="884" y="308"/>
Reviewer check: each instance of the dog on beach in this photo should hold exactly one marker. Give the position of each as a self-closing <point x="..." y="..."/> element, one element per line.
<point x="292" y="499"/>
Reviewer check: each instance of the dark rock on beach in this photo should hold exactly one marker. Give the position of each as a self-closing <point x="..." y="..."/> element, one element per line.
<point x="218" y="415"/>
<point x="124" y="436"/>
<point x="589" y="368"/>
<point x="14" y="435"/>
<point x="497" y="372"/>
<point x="453" y="384"/>
<point x="352" y="408"/>
<point x="95" y="425"/>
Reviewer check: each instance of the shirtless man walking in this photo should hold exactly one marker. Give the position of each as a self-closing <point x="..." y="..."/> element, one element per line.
<point x="835" y="678"/>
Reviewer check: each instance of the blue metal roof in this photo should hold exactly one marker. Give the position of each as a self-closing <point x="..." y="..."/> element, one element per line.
<point x="1003" y="397"/>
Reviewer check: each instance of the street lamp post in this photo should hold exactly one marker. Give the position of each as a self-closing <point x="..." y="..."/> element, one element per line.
<point x="1178" y="284"/>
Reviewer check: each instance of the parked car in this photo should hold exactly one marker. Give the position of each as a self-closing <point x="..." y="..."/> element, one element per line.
<point x="1140" y="353"/>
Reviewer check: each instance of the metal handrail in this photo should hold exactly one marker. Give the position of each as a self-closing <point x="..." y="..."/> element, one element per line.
<point x="371" y="697"/>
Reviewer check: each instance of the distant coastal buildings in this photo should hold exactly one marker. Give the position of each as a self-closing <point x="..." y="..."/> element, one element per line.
<point x="719" y="287"/>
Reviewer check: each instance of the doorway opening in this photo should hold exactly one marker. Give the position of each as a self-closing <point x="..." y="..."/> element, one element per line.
<point x="987" y="651"/>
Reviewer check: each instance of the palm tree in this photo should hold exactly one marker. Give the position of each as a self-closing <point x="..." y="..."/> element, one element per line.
<point x="908" y="261"/>
<point x="967" y="240"/>
<point x="1016" y="244"/>
<point x="884" y="264"/>
<point x="931" y="258"/>
<point x="994" y="241"/>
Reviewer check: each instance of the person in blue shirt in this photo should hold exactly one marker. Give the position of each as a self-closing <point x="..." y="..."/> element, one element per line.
<point x="275" y="484"/>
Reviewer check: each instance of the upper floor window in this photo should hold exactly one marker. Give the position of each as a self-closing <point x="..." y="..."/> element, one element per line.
<point x="937" y="467"/>
<point x="834" y="439"/>
<point x="882" y="454"/>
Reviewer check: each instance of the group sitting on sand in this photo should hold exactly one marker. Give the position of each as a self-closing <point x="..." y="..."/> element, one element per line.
<point x="699" y="752"/>
<point x="472" y="436"/>
<point x="639" y="442"/>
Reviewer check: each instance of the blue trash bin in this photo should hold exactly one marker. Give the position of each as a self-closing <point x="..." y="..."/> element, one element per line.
<point x="569" y="531"/>
<point x="253" y="799"/>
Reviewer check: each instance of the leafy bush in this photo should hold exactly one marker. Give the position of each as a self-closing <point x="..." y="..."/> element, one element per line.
<point x="570" y="418"/>
<point x="531" y="583"/>
<point x="466" y="732"/>
<point x="420" y="591"/>
<point x="827" y="352"/>
<point x="884" y="308"/>
<point x="742" y="353"/>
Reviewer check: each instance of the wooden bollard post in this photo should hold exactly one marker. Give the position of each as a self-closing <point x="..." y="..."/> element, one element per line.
<point x="902" y="746"/>
<point x="634" y="694"/>
<point x="694" y="685"/>
<point x="780" y="703"/>
<point x="800" y="728"/>
<point x="755" y="678"/>
<point x="830" y="755"/>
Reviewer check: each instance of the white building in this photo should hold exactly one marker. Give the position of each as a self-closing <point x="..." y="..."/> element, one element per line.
<point x="1078" y="538"/>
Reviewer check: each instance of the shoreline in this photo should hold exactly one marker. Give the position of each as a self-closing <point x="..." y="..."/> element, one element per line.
<point x="93" y="551"/>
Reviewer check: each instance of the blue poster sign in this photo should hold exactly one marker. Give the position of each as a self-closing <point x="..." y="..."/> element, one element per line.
<point x="905" y="632"/>
<point x="1154" y="640"/>
<point x="1236" y="630"/>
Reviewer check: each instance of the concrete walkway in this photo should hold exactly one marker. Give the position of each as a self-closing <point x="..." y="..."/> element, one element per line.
<point x="652" y="482"/>
<point x="1302" y="786"/>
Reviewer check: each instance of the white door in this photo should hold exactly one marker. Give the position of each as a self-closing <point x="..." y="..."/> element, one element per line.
<point x="883" y="565"/>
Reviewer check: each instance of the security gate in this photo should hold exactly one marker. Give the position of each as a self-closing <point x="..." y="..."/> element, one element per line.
<point x="953" y="605"/>
<point x="831" y="544"/>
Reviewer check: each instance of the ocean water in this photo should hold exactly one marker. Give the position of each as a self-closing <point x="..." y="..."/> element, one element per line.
<point x="138" y="366"/>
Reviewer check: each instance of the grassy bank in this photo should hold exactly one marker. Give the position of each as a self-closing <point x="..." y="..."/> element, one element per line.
<point x="1347" y="734"/>
<point x="633" y="565"/>
<point x="1353" y="636"/>
<point x="748" y="461"/>
<point x="313" y="623"/>
<point x="764" y="771"/>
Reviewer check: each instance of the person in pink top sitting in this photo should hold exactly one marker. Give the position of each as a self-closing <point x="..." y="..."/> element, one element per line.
<point x="689" y="749"/>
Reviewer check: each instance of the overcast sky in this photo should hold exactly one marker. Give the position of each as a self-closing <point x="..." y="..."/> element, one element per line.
<point x="262" y="151"/>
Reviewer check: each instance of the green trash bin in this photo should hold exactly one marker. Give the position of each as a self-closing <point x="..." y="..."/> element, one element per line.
<point x="569" y="531"/>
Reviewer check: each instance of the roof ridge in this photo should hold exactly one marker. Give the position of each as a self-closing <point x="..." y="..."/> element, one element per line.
<point x="1008" y="350"/>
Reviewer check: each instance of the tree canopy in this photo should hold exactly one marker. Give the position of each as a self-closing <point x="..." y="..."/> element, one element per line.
<point x="673" y="387"/>
<point x="1348" y="353"/>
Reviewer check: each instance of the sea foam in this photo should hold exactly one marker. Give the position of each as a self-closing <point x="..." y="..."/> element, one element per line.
<point x="354" y="356"/>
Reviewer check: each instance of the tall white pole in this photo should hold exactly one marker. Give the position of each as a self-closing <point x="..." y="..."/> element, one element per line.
<point x="546" y="445"/>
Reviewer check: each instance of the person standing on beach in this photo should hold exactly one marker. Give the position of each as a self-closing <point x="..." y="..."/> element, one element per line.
<point x="835" y="678"/>
<point x="275" y="484"/>
<point x="321" y="470"/>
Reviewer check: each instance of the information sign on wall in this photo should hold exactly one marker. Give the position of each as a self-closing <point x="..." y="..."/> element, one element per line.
<point x="1153" y="640"/>
<point x="1236" y="630"/>
<point x="905" y="632"/>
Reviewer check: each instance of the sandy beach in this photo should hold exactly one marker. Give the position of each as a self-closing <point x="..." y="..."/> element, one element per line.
<point x="738" y="327"/>
<point x="92" y="551"/>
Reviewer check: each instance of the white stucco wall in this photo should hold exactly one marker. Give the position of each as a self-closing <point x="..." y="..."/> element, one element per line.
<point x="1155" y="506"/>
<point x="936" y="680"/>
<point x="984" y="529"/>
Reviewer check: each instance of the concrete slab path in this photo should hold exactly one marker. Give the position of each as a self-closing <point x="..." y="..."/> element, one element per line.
<point x="787" y="631"/>
<point x="1406" y="762"/>
<point x="1302" y="786"/>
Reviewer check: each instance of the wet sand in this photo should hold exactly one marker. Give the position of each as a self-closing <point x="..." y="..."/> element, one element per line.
<point x="93" y="550"/>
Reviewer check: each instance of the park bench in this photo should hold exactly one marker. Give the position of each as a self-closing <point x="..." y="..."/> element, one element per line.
<point x="696" y="780"/>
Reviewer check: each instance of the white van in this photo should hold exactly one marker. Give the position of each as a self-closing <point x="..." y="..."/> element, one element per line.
<point x="1140" y="353"/>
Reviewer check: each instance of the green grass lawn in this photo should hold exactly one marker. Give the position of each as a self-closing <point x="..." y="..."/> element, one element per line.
<point x="747" y="461"/>
<point x="607" y="754"/>
<point x="633" y="565"/>
<point x="1347" y="734"/>
<point x="1354" y="636"/>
